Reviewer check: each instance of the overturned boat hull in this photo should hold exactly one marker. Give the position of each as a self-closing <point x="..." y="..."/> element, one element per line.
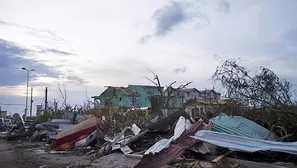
<point x="68" y="137"/>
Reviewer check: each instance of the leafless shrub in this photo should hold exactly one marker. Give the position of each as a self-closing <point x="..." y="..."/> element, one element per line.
<point x="115" y="122"/>
<point x="266" y="97"/>
<point x="170" y="89"/>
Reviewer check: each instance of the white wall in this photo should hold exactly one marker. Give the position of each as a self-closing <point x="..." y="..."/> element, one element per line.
<point x="191" y="95"/>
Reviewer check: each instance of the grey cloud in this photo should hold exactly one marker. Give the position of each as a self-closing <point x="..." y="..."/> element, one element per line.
<point x="181" y="70"/>
<point x="42" y="84"/>
<point x="224" y="7"/>
<point x="12" y="58"/>
<point x="285" y="48"/>
<point x="145" y="39"/>
<point x="167" y="17"/>
<point x="76" y="80"/>
<point x="173" y="14"/>
<point x="217" y="56"/>
<point x="50" y="50"/>
<point x="39" y="33"/>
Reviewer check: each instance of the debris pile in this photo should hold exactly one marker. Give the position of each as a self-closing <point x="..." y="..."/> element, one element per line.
<point x="155" y="141"/>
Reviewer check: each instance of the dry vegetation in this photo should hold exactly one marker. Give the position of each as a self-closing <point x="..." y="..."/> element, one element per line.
<point x="115" y="121"/>
<point x="261" y="96"/>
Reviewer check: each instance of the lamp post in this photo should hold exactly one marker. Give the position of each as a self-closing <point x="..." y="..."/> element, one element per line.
<point x="28" y="77"/>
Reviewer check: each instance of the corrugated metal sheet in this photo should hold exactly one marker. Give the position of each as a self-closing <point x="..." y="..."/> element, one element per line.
<point x="240" y="143"/>
<point x="127" y="91"/>
<point x="237" y="125"/>
<point x="175" y="150"/>
<point x="162" y="158"/>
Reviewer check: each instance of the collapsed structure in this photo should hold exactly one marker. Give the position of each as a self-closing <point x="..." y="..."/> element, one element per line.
<point x="158" y="140"/>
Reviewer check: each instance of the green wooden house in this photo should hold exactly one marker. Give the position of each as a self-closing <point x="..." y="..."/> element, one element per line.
<point x="173" y="99"/>
<point x="118" y="97"/>
<point x="132" y="96"/>
<point x="144" y="94"/>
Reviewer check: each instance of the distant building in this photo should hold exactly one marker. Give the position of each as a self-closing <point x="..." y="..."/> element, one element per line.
<point x="198" y="108"/>
<point x="127" y="97"/>
<point x="178" y="97"/>
<point x="138" y="96"/>
<point x="3" y="114"/>
<point x="210" y="94"/>
<point x="173" y="98"/>
<point x="118" y="97"/>
<point x="144" y="93"/>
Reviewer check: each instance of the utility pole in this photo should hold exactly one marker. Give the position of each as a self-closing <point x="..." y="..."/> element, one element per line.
<point x="56" y="108"/>
<point x="45" y="101"/>
<point x="55" y="105"/>
<point x="42" y="111"/>
<point x="31" y="101"/>
<point x="26" y="110"/>
<point x="28" y="78"/>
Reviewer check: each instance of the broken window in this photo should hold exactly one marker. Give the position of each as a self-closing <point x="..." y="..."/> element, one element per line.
<point x="108" y="102"/>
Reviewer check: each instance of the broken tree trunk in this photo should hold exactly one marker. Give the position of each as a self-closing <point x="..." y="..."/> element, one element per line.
<point x="156" y="104"/>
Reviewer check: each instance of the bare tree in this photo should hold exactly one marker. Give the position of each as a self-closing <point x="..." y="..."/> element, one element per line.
<point x="170" y="90"/>
<point x="156" y="82"/>
<point x="262" y="91"/>
<point x="87" y="103"/>
<point x="63" y="94"/>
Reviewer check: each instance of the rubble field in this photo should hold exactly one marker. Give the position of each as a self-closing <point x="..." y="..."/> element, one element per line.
<point x="136" y="140"/>
<point x="23" y="155"/>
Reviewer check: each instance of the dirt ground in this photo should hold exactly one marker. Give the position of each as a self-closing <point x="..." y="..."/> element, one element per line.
<point x="20" y="154"/>
<point x="24" y="155"/>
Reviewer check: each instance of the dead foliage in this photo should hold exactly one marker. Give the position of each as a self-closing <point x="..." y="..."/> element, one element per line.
<point x="170" y="94"/>
<point x="115" y="121"/>
<point x="262" y="97"/>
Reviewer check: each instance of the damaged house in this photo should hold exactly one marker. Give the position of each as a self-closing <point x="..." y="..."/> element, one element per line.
<point x="198" y="108"/>
<point x="126" y="97"/>
<point x="120" y="97"/>
<point x="196" y="102"/>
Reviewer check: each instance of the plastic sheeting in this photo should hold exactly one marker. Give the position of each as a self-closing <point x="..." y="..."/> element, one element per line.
<point x="240" y="143"/>
<point x="180" y="127"/>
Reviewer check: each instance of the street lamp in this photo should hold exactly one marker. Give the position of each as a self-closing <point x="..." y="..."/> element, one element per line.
<point x="28" y="77"/>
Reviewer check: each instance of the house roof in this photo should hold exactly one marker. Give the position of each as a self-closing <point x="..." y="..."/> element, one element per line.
<point x="127" y="91"/>
<point x="174" y="93"/>
<point x="110" y="91"/>
<point x="209" y="91"/>
<point x="188" y="90"/>
<point x="181" y="92"/>
<point x="147" y="86"/>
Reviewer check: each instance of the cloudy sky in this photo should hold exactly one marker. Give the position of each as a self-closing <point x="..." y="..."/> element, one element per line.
<point x="86" y="45"/>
